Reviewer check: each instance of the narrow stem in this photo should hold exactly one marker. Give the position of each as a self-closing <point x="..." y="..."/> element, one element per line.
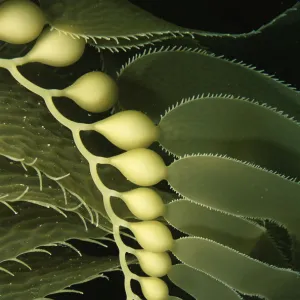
<point x="122" y="257"/>
<point x="6" y="63"/>
<point x="106" y="198"/>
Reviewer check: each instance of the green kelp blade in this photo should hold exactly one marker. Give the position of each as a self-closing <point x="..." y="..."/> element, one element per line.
<point x="238" y="271"/>
<point x="131" y="44"/>
<point x="153" y="82"/>
<point x="20" y="185"/>
<point x="52" y="274"/>
<point x="238" y="233"/>
<point x="113" y="60"/>
<point x="118" y="24"/>
<point x="224" y="124"/>
<point x="35" y="226"/>
<point x="200" y="285"/>
<point x="238" y="188"/>
<point x="109" y="23"/>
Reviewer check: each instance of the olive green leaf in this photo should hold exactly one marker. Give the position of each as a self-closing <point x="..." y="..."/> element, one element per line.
<point x="237" y="188"/>
<point x="238" y="233"/>
<point x="118" y="24"/>
<point x="19" y="185"/>
<point x="238" y="271"/>
<point x="200" y="285"/>
<point x="111" y="23"/>
<point x="213" y="124"/>
<point x="112" y="60"/>
<point x="130" y="44"/>
<point x="52" y="274"/>
<point x="240" y="189"/>
<point x="157" y="80"/>
<point x="35" y="226"/>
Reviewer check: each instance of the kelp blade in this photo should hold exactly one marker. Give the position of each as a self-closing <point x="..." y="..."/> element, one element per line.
<point x="238" y="271"/>
<point x="200" y="285"/>
<point x="238" y="233"/>
<point x="238" y="188"/>
<point x="166" y="76"/>
<point x="224" y="124"/>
